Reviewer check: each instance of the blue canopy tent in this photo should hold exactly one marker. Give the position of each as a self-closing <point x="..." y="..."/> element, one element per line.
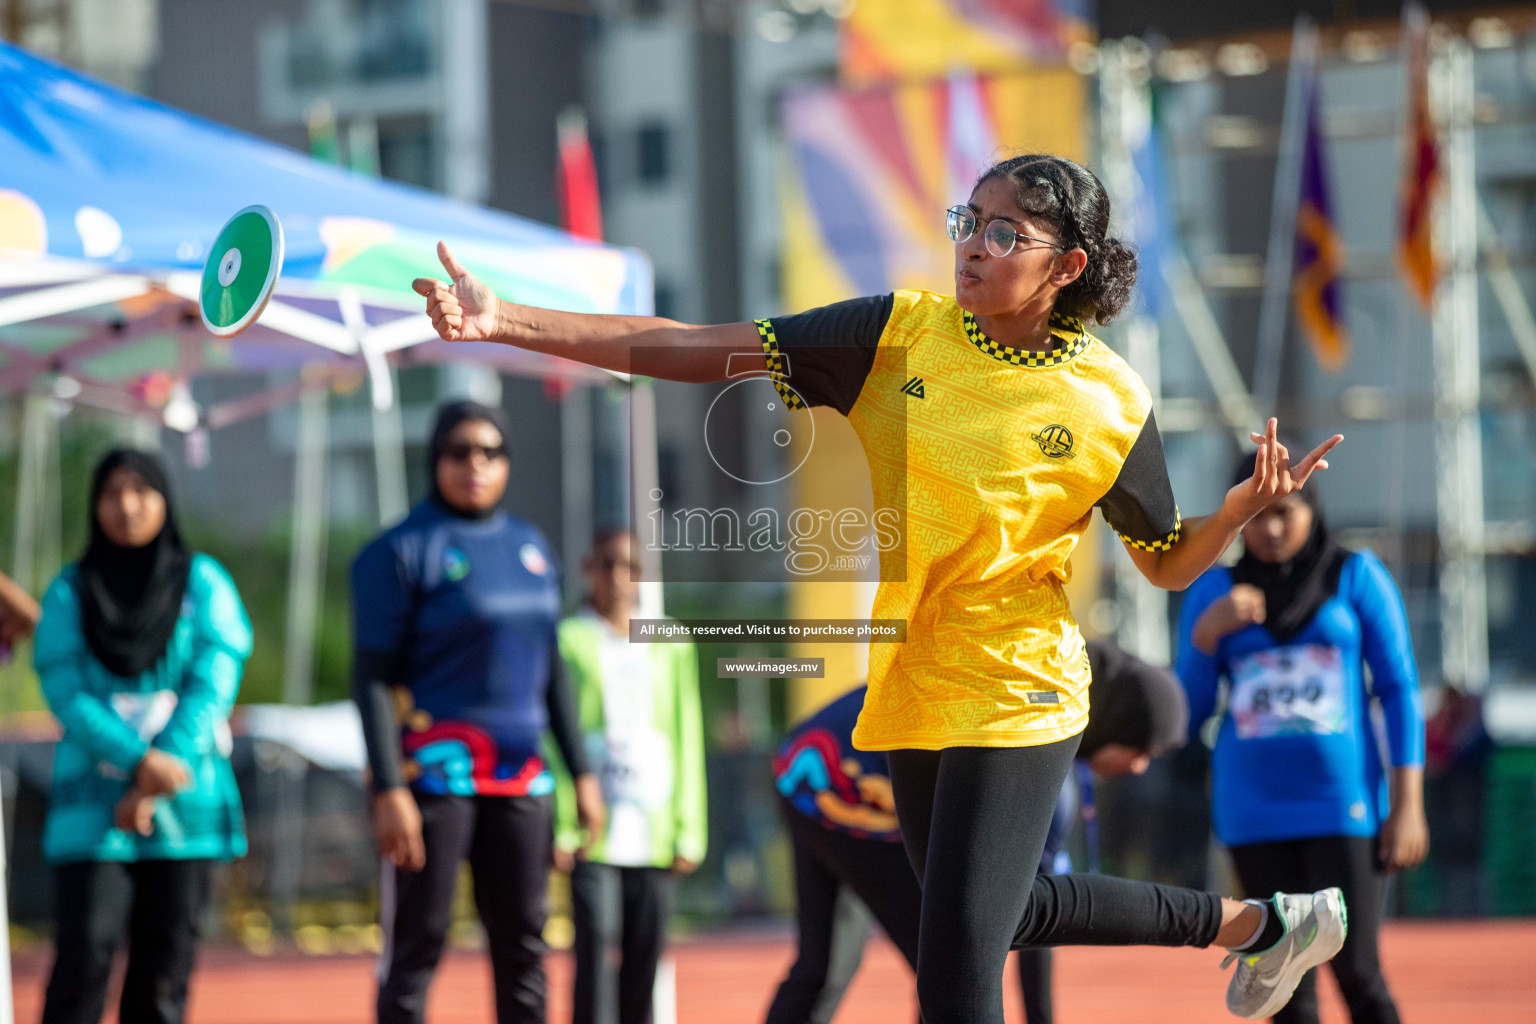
<point x="108" y="204"/>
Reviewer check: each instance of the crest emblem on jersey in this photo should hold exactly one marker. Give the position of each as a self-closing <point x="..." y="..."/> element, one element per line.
<point x="455" y="565"/>
<point x="1055" y="441"/>
<point x="533" y="559"/>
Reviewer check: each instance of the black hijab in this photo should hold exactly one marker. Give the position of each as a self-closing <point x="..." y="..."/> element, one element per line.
<point x="130" y="598"/>
<point x="1131" y="703"/>
<point x="449" y="417"/>
<point x="1293" y="590"/>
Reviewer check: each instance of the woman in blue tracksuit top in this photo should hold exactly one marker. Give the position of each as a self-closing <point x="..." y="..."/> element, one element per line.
<point x="456" y="671"/>
<point x="1300" y="796"/>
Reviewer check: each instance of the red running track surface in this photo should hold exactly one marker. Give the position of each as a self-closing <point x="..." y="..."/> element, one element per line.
<point x="1442" y="973"/>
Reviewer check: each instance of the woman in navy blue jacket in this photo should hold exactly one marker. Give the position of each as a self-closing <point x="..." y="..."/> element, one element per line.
<point x="457" y="674"/>
<point x="1299" y="792"/>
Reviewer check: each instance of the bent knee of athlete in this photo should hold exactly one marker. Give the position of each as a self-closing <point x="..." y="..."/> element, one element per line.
<point x="1042" y="912"/>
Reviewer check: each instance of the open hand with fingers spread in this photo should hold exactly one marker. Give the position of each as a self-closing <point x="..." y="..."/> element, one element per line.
<point x="1274" y="475"/>
<point x="465" y="309"/>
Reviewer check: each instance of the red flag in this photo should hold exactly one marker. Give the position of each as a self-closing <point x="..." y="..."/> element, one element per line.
<point x="580" y="211"/>
<point x="1421" y="166"/>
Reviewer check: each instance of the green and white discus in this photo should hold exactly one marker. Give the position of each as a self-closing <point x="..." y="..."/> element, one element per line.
<point x="241" y="271"/>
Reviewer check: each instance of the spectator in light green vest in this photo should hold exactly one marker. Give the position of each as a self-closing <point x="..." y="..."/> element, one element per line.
<point x="638" y="708"/>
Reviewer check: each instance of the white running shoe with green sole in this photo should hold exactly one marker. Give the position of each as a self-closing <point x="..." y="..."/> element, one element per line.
<point x="1315" y="926"/>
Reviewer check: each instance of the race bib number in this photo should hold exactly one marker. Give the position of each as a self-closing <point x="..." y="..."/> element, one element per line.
<point x="635" y="768"/>
<point x="145" y="713"/>
<point x="636" y="772"/>
<point x="1289" y="691"/>
<point x="149" y="713"/>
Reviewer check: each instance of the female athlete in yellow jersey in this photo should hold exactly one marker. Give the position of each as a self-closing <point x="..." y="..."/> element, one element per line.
<point x="1023" y="422"/>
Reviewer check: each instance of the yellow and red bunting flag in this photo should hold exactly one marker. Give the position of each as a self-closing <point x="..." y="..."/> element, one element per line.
<point x="581" y="213"/>
<point x="1421" y="166"/>
<point x="1318" y="287"/>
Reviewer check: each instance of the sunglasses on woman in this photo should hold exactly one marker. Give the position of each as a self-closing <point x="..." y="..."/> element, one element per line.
<point x="1000" y="236"/>
<point x="463" y="451"/>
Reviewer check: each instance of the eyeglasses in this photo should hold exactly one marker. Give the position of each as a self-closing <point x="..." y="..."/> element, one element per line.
<point x="960" y="222"/>
<point x="463" y="451"/>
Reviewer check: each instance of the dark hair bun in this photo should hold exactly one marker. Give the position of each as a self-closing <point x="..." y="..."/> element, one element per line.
<point x="1067" y="196"/>
<point x="1104" y="288"/>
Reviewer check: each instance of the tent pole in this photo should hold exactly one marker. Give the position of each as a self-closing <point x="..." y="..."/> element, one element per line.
<point x="575" y="484"/>
<point x="67" y="298"/>
<point x="645" y="472"/>
<point x="49" y="499"/>
<point x="1457" y="362"/>
<point x="28" y="473"/>
<point x="645" y="499"/>
<point x="7" y="1010"/>
<point x="389" y="458"/>
<point x="306" y="578"/>
<point x="305" y="570"/>
<point x="389" y="433"/>
<point x="30" y="507"/>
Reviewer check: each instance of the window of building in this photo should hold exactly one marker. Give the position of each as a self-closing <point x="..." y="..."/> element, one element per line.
<point x="666" y="301"/>
<point x="653" y="145"/>
<point x="669" y="477"/>
<point x="407" y="152"/>
<point x="598" y="140"/>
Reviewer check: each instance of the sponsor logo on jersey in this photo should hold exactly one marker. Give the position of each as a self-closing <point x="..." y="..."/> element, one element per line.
<point x="1055" y="441"/>
<point x="455" y="565"/>
<point x="914" y="387"/>
<point x="533" y="559"/>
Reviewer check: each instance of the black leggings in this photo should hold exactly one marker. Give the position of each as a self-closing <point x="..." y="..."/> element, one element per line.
<point x="974" y="821"/>
<point x="828" y="863"/>
<point x="1306" y="865"/>
<point x="159" y="903"/>
<point x="621" y="916"/>
<point x="507" y="841"/>
<point x="1035" y="967"/>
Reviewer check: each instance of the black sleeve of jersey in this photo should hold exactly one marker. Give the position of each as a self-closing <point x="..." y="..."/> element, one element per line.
<point x="564" y="720"/>
<point x="821" y="356"/>
<point x="1140" y="506"/>
<point x="371" y="673"/>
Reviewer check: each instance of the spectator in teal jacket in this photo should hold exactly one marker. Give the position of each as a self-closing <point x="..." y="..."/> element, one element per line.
<point x="640" y="721"/>
<point x="140" y="652"/>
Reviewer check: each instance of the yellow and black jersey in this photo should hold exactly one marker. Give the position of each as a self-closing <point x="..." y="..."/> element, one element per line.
<point x="998" y="456"/>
